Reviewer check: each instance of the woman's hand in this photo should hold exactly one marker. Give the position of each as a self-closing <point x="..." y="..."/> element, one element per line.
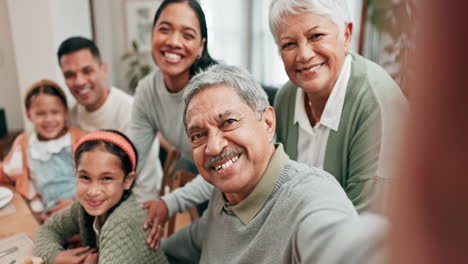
<point x="73" y="256"/>
<point x="156" y="218"/>
<point x="92" y="258"/>
<point x="60" y="205"/>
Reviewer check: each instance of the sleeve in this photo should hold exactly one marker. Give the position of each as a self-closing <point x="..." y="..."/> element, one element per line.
<point x="278" y="104"/>
<point x="357" y="240"/>
<point x="374" y="145"/>
<point x="362" y="177"/>
<point x="193" y="193"/>
<point x="13" y="165"/>
<point x="141" y="132"/>
<point x="121" y="242"/>
<point x="185" y="245"/>
<point x="52" y="234"/>
<point x="148" y="182"/>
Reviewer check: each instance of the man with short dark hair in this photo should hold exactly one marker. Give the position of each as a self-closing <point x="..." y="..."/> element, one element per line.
<point x="102" y="107"/>
<point x="265" y="208"/>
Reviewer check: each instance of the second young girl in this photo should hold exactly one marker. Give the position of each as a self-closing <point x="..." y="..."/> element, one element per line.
<point x="40" y="163"/>
<point x="105" y="214"/>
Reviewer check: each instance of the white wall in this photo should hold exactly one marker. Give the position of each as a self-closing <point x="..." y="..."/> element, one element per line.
<point x="110" y="28"/>
<point x="9" y="89"/>
<point x="355" y="7"/>
<point x="37" y="28"/>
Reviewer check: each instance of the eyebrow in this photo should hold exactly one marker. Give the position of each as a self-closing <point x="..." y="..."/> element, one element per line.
<point x="191" y="129"/>
<point x="218" y="118"/>
<point x="223" y="115"/>
<point x="184" y="27"/>
<point x="309" y="30"/>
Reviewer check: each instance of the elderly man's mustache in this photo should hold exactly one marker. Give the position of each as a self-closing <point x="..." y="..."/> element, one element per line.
<point x="224" y="155"/>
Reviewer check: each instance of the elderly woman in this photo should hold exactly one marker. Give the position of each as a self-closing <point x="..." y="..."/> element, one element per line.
<point x="336" y="111"/>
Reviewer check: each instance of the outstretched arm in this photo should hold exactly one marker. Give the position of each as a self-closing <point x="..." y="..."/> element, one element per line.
<point x="159" y="211"/>
<point x="53" y="233"/>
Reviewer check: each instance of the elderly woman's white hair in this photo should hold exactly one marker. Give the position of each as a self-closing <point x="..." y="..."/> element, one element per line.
<point x="336" y="10"/>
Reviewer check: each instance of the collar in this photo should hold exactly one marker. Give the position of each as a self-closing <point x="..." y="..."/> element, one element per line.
<point x="251" y="205"/>
<point x="96" y="226"/>
<point x="332" y="112"/>
<point x="44" y="150"/>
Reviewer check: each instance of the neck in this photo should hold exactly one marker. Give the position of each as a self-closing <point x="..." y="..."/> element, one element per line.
<point x="314" y="106"/>
<point x="235" y="198"/>
<point x="99" y="103"/>
<point x="176" y="83"/>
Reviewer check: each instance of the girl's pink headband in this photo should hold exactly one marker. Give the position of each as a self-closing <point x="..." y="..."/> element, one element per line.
<point x="111" y="137"/>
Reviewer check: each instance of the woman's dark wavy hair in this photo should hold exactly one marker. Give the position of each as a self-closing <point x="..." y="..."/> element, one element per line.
<point x="126" y="164"/>
<point x="205" y="60"/>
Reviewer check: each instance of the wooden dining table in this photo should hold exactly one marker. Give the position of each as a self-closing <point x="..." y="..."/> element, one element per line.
<point x="20" y="221"/>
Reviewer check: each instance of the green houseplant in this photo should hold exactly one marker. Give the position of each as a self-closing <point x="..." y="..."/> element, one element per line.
<point x="138" y="67"/>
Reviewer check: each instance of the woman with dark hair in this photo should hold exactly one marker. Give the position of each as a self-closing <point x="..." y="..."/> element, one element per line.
<point x="105" y="212"/>
<point x="179" y="49"/>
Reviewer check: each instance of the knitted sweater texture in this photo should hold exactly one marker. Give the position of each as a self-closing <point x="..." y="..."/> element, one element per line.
<point x="121" y="240"/>
<point x="306" y="218"/>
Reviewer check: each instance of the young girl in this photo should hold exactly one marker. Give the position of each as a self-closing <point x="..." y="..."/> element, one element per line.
<point x="105" y="213"/>
<point x="40" y="163"/>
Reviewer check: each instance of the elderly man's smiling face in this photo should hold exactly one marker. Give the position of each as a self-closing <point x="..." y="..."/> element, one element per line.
<point x="231" y="148"/>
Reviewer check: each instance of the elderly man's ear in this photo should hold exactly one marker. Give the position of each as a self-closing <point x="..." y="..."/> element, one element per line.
<point x="269" y="119"/>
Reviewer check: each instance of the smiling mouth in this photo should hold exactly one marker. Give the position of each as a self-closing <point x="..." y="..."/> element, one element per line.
<point x="311" y="69"/>
<point x="84" y="91"/>
<point x="227" y="164"/>
<point x="95" y="203"/>
<point x="49" y="129"/>
<point x="172" y="57"/>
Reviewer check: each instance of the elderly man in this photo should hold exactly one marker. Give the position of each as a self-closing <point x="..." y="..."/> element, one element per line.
<point x="265" y="208"/>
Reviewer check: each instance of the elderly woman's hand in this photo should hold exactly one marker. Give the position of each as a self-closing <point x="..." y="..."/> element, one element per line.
<point x="156" y="218"/>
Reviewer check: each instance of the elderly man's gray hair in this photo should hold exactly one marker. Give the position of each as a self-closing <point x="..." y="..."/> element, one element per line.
<point x="336" y="10"/>
<point x="243" y="83"/>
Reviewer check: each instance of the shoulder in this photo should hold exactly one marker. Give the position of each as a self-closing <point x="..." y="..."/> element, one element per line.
<point x="19" y="144"/>
<point x="370" y="77"/>
<point x="22" y="139"/>
<point x="148" y="83"/>
<point x="370" y="87"/>
<point x="127" y="214"/>
<point x="311" y="184"/>
<point x="284" y="93"/>
<point x="76" y="132"/>
<point x="119" y="95"/>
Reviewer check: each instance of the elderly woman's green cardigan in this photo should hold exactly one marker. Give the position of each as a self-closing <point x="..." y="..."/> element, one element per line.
<point x="372" y="109"/>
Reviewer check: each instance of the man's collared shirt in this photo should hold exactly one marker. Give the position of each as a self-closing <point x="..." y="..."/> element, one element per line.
<point x="312" y="141"/>
<point x="249" y="207"/>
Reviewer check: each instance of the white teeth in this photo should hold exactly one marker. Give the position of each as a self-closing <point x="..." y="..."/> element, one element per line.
<point x="172" y="56"/>
<point x="227" y="163"/>
<point x="84" y="91"/>
<point x="315" y="68"/>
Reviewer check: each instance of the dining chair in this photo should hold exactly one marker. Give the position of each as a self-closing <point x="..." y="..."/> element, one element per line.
<point x="174" y="178"/>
